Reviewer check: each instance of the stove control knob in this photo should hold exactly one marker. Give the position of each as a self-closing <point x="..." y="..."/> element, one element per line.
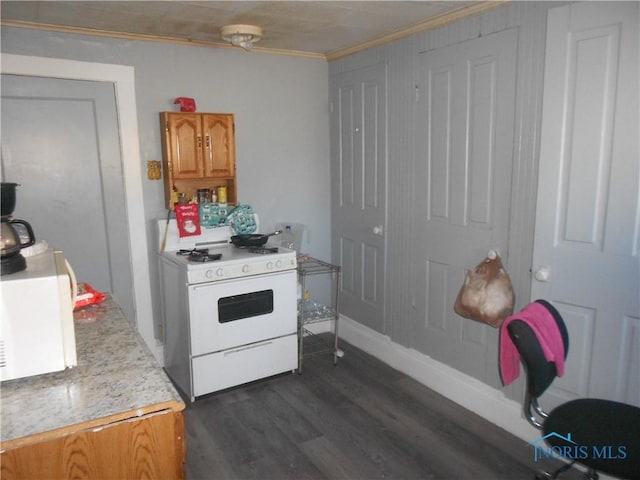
<point x="279" y="263"/>
<point x="220" y="272"/>
<point x="208" y="273"/>
<point x="269" y="265"/>
<point x="245" y="269"/>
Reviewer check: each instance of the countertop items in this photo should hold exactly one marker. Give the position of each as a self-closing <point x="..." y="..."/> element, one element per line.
<point x="117" y="378"/>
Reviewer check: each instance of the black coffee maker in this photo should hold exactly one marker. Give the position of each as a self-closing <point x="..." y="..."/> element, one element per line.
<point x="15" y="235"/>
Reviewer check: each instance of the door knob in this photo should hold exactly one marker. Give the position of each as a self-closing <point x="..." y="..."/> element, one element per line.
<point x="378" y="230"/>
<point x="543" y="273"/>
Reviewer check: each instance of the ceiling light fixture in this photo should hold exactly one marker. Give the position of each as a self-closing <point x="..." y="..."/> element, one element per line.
<point x="241" y="35"/>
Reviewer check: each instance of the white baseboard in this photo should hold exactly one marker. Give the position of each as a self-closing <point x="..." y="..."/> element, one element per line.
<point x="458" y="387"/>
<point x="470" y="393"/>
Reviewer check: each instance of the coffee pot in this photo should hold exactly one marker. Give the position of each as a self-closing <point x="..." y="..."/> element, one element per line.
<point x="14" y="238"/>
<point x="15" y="234"/>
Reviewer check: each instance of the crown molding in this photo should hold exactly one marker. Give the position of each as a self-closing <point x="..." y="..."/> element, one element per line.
<point x="436" y="22"/>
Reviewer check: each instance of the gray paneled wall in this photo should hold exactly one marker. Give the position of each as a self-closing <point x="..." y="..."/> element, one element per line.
<point x="529" y="19"/>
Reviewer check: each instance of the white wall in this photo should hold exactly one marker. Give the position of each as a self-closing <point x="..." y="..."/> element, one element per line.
<point x="281" y="113"/>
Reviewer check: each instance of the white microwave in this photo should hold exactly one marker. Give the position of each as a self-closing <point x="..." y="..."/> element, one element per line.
<point x="38" y="333"/>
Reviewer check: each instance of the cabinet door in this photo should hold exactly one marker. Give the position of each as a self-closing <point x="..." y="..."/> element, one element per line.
<point x="151" y="446"/>
<point x="185" y="144"/>
<point x="219" y="145"/>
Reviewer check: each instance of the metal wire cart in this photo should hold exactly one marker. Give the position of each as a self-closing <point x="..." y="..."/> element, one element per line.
<point x="311" y="311"/>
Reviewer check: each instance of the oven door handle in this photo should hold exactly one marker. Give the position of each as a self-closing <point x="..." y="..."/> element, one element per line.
<point x="248" y="347"/>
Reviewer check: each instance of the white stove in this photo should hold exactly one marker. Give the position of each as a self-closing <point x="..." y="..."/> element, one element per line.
<point x="230" y="313"/>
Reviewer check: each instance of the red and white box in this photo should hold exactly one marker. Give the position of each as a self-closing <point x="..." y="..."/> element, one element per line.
<point x="188" y="219"/>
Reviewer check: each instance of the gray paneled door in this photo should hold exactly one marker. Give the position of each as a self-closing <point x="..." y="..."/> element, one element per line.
<point x="60" y="142"/>
<point x="462" y="190"/>
<point x="358" y="171"/>
<point x="586" y="255"/>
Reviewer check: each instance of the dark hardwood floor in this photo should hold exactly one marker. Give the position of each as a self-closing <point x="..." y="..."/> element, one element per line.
<point x="358" y="420"/>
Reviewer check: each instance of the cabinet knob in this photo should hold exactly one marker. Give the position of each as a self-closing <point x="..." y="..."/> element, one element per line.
<point x="543" y="274"/>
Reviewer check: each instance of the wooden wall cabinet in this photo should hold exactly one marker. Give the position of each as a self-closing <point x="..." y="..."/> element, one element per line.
<point x="198" y="151"/>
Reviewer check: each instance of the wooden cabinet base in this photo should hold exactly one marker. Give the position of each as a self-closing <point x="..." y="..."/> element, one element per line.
<point x="151" y="446"/>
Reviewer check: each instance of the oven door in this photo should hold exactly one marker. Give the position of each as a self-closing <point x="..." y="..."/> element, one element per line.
<point x="237" y="312"/>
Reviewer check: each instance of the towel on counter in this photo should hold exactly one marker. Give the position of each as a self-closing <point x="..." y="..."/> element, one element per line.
<point x="541" y="321"/>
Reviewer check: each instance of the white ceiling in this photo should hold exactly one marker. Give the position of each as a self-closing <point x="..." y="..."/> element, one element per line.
<point x="327" y="29"/>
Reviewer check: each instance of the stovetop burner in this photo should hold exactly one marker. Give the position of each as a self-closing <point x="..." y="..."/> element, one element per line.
<point x="201" y="255"/>
<point x="263" y="250"/>
<point x="204" y="257"/>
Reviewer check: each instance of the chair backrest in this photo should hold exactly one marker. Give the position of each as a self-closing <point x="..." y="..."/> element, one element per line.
<point x="540" y="372"/>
